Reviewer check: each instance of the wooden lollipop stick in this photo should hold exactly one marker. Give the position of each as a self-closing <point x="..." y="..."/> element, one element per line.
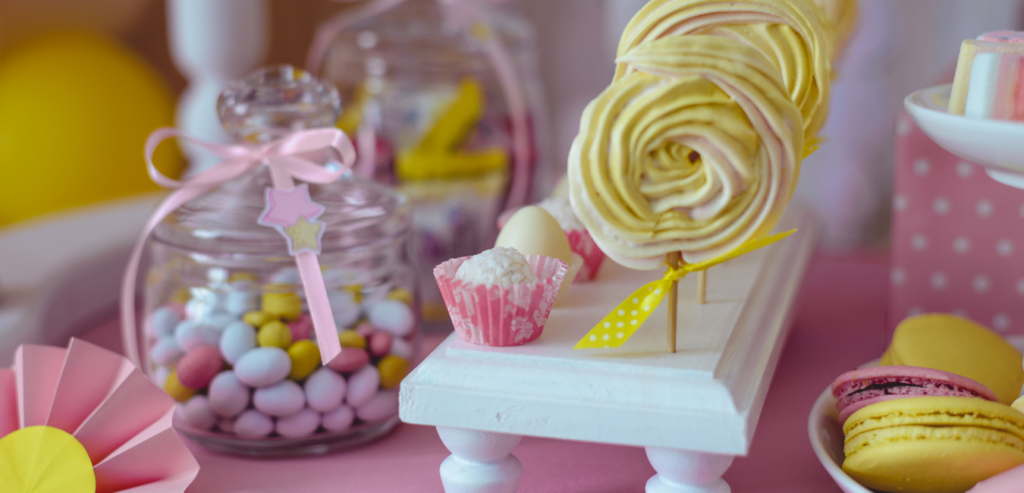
<point x="702" y="286"/>
<point x="673" y="304"/>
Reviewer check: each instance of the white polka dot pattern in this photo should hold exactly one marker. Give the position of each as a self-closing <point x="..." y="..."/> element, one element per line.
<point x="956" y="237"/>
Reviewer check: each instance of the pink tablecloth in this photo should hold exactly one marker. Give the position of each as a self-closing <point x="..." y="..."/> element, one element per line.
<point x="839" y="325"/>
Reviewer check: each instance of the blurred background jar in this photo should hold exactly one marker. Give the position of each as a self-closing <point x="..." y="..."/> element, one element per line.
<point x="423" y="99"/>
<point x="227" y="328"/>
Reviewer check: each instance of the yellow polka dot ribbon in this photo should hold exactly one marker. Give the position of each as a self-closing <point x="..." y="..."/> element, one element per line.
<point x="620" y="324"/>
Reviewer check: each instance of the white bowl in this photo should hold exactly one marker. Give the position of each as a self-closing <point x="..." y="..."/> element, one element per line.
<point x="998" y="145"/>
<point x="827" y="438"/>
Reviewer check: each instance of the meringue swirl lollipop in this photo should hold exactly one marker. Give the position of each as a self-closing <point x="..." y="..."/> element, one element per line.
<point x="793" y="35"/>
<point x="694" y="148"/>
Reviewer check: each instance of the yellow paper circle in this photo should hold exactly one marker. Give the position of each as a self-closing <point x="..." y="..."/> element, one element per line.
<point x="41" y="459"/>
<point x="77" y="108"/>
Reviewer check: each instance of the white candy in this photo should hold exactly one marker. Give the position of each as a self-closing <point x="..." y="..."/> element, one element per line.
<point x="160" y="375"/>
<point x="199" y="309"/>
<point x="288" y="275"/>
<point x="301" y="424"/>
<point x="381" y="406"/>
<point x="253" y="423"/>
<point x="325" y="389"/>
<point x="362" y="385"/>
<point x="217" y="275"/>
<point x="263" y="366"/>
<point x="237" y="339"/>
<point x="162" y="321"/>
<point x="284" y="399"/>
<point x="198" y="413"/>
<point x="344" y="308"/>
<point x="339" y="419"/>
<point x="166" y="352"/>
<point x="240" y="302"/>
<point x="401" y="347"/>
<point x="219" y="320"/>
<point x="191" y="335"/>
<point x="228" y="395"/>
<point x="392" y="316"/>
<point x="227" y="425"/>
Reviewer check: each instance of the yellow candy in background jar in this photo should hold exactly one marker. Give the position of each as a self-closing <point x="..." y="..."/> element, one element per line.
<point x="305" y="356"/>
<point x="274" y="334"/>
<point x="285" y="305"/>
<point x="392" y="370"/>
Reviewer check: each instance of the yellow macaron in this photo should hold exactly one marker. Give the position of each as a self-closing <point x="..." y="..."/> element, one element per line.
<point x="957" y="345"/>
<point x="932" y="444"/>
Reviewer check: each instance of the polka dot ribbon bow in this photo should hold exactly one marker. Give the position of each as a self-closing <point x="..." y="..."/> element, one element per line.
<point x="619" y="325"/>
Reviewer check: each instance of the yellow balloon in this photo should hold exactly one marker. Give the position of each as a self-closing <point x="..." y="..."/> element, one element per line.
<point x="75" y="110"/>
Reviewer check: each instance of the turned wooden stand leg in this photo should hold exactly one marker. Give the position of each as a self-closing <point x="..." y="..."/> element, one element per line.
<point x="683" y="471"/>
<point x="481" y="461"/>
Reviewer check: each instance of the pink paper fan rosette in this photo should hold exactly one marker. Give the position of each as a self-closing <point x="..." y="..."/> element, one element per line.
<point x="582" y="244"/>
<point x="119" y="417"/>
<point x="490" y="315"/>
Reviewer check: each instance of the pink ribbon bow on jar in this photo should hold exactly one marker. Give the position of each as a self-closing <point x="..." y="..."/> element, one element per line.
<point x="284" y="159"/>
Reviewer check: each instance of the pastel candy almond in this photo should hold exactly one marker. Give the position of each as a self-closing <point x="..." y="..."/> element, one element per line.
<point x="859" y="388"/>
<point x="163" y="320"/>
<point x="199" y="366"/>
<point x="382" y="405"/>
<point x="237" y="339"/>
<point x="228" y="395"/>
<point x="302" y="328"/>
<point x="263" y="366"/>
<point x="254" y="424"/>
<point x="380" y="343"/>
<point x="283" y="399"/>
<point x="325" y="389"/>
<point x="198" y="413"/>
<point x="191" y="335"/>
<point x="301" y="424"/>
<point x="339" y="419"/>
<point x="350" y="360"/>
<point x="392" y="316"/>
<point x="166" y="351"/>
<point x="362" y="386"/>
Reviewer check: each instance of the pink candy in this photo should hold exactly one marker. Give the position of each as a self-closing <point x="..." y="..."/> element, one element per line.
<point x="198" y="367"/>
<point x="350" y="360"/>
<point x="302" y="328"/>
<point x="380" y="343"/>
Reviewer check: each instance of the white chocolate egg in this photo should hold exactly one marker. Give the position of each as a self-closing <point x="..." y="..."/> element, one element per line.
<point x="532" y="231"/>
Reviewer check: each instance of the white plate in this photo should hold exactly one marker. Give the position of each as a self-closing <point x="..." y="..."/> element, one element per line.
<point x="998" y="145"/>
<point x="827" y="438"/>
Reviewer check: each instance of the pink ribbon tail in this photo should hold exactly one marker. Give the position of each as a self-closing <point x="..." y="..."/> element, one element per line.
<point x="283" y="158"/>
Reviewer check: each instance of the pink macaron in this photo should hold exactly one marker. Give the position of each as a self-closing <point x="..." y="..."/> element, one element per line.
<point x="859" y="388"/>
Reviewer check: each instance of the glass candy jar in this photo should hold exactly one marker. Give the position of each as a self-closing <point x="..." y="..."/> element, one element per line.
<point x="431" y="115"/>
<point x="227" y="329"/>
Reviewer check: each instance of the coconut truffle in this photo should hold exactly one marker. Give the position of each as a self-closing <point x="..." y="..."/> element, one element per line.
<point x="561" y="210"/>
<point x="500" y="265"/>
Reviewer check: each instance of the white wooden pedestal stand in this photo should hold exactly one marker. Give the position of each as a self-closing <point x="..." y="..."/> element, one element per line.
<point x="693" y="411"/>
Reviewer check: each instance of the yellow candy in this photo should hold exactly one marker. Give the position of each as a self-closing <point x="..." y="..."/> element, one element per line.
<point x="401" y="294"/>
<point x="258" y="319"/>
<point x="176" y="389"/>
<point x="392" y="370"/>
<point x="181" y="296"/>
<point x="305" y="356"/>
<point x="274" y="334"/>
<point x="351" y="338"/>
<point x="243" y="276"/>
<point x="357" y="292"/>
<point x="285" y="305"/>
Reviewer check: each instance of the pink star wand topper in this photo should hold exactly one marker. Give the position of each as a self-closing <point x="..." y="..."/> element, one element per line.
<point x="294" y="214"/>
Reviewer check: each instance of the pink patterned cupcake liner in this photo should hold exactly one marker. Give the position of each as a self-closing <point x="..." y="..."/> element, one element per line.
<point x="582" y="244"/>
<point x="490" y="315"/>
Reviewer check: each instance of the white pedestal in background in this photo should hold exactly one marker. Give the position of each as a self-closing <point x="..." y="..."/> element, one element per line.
<point x="693" y="410"/>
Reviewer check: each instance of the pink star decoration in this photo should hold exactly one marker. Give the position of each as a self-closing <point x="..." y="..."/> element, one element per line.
<point x="293" y="214"/>
<point x="285" y="207"/>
